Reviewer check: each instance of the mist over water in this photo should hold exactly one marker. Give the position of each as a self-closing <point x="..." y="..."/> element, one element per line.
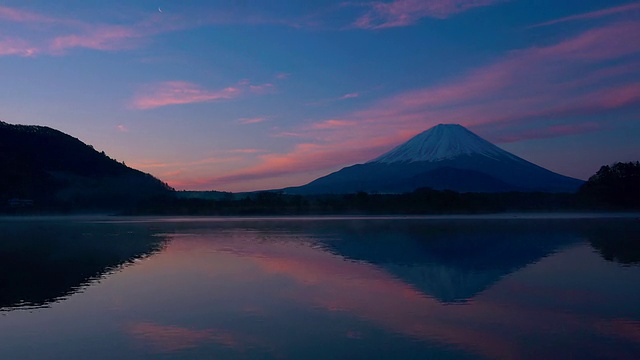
<point x="506" y="286"/>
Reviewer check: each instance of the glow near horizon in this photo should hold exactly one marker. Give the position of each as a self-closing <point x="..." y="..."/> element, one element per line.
<point x="248" y="95"/>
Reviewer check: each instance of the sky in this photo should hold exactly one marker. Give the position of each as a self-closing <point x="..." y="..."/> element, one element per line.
<point x="243" y="95"/>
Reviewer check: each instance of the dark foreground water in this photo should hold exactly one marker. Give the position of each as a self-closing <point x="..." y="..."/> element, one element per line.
<point x="343" y="288"/>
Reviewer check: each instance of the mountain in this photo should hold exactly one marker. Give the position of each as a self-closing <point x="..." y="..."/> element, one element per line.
<point x="48" y="169"/>
<point x="445" y="157"/>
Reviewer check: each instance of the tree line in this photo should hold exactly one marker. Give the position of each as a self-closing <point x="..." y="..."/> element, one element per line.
<point x="613" y="188"/>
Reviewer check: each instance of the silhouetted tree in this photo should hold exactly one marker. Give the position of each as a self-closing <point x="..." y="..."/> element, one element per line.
<point x="617" y="185"/>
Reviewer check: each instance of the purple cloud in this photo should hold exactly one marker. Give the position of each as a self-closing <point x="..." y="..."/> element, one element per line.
<point x="399" y="13"/>
<point x="179" y="92"/>
<point x="622" y="9"/>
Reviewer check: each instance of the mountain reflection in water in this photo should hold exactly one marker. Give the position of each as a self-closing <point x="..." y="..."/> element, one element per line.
<point x="328" y="288"/>
<point x="42" y="262"/>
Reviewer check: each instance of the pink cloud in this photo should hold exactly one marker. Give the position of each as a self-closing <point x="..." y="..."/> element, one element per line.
<point x="199" y="162"/>
<point x="179" y="92"/>
<point x="617" y="96"/>
<point x="100" y="38"/>
<point x="291" y="134"/>
<point x="262" y="88"/>
<point x="282" y="76"/>
<point x="350" y="96"/>
<point x="538" y="81"/>
<point x="534" y="67"/>
<point x="247" y="151"/>
<point x="16" y="47"/>
<point x="623" y="9"/>
<point x="59" y="34"/>
<point x="327" y="101"/>
<point x="305" y="157"/>
<point x="122" y="128"/>
<point x="182" y="92"/>
<point x="333" y="124"/>
<point x="407" y="12"/>
<point x="18" y="15"/>
<point x="603" y="43"/>
<point x="552" y="131"/>
<point x="254" y="120"/>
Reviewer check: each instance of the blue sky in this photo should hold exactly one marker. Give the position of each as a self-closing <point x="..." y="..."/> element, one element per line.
<point x="248" y="95"/>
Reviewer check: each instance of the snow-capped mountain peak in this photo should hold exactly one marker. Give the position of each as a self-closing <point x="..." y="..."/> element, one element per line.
<point x="445" y="157"/>
<point x="442" y="142"/>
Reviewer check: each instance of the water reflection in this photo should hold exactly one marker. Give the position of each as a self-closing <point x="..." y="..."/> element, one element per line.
<point x="42" y="262"/>
<point x="341" y="288"/>
<point x="395" y="264"/>
<point x="617" y="243"/>
<point x="453" y="262"/>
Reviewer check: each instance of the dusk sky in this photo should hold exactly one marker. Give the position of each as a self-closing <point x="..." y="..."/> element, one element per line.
<point x="240" y="95"/>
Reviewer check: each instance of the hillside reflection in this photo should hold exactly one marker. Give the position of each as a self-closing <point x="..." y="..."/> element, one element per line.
<point x="620" y="244"/>
<point x="43" y="262"/>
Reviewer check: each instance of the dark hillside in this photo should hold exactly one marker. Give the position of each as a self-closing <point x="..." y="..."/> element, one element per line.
<point x="57" y="171"/>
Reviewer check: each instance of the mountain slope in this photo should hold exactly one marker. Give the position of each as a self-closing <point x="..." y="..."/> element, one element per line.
<point x="56" y="170"/>
<point x="443" y="157"/>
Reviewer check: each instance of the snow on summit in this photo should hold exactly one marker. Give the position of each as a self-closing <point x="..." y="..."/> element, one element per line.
<point x="442" y="142"/>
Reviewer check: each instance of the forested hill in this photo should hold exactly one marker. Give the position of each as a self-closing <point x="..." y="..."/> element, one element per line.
<point x="48" y="169"/>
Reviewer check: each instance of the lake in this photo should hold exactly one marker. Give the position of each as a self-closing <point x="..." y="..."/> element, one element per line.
<point x="505" y="286"/>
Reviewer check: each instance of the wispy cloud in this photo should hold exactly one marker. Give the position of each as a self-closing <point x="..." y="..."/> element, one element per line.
<point x="381" y="15"/>
<point x="179" y="92"/>
<point x="99" y="38"/>
<point x="167" y="93"/>
<point x="254" y="120"/>
<point x="622" y="9"/>
<point x="16" y="47"/>
<point x="24" y="16"/>
<point x="327" y="101"/>
<point x="58" y="35"/>
<point x="333" y="124"/>
<point x="195" y="163"/>
<point x="527" y="83"/>
<point x="247" y="151"/>
<point x="304" y="158"/>
<point x="349" y="96"/>
<point x="551" y="132"/>
<point x="262" y="88"/>
<point x="122" y="128"/>
<point x="54" y="35"/>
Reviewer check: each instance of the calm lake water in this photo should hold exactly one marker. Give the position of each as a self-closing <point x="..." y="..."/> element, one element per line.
<point x="320" y="288"/>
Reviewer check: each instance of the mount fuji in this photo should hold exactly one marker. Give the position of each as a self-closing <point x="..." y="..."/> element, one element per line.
<point x="445" y="157"/>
